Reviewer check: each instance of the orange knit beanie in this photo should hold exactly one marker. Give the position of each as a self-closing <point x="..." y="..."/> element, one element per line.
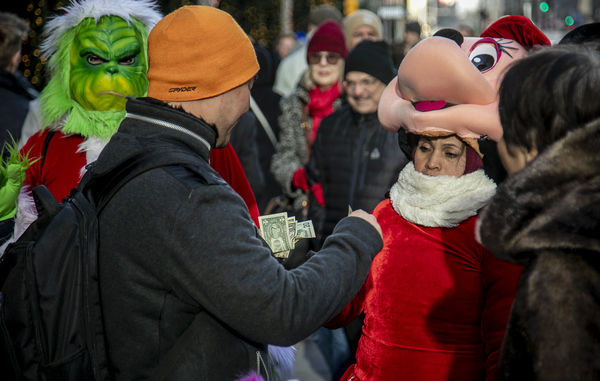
<point x="198" y="52"/>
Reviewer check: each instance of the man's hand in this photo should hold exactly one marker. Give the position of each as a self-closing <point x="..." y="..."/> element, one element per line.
<point x="367" y="217"/>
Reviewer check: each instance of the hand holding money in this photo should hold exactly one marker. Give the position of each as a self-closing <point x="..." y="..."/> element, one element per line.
<point x="367" y="217"/>
<point x="281" y="232"/>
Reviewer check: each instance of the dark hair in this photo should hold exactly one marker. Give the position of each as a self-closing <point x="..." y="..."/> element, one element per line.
<point x="549" y="93"/>
<point x="12" y="31"/>
<point x="413" y="26"/>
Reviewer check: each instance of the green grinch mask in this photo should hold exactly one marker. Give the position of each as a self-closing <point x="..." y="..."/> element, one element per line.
<point x="94" y="67"/>
<point x="106" y="60"/>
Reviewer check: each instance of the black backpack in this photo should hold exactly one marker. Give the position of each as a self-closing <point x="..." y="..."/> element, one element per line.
<point x="51" y="325"/>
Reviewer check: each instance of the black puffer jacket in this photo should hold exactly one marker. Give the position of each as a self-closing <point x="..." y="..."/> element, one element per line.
<point x="189" y="289"/>
<point x="547" y="217"/>
<point x="15" y="95"/>
<point x="356" y="161"/>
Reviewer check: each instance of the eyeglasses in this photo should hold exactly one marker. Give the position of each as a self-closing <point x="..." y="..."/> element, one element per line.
<point x="367" y="82"/>
<point x="316" y="58"/>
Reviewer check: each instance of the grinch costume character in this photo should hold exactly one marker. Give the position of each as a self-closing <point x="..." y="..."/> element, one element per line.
<point x="98" y="58"/>
<point x="436" y="302"/>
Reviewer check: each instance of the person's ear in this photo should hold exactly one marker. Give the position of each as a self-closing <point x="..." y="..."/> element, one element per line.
<point x="531" y="154"/>
<point x="14" y="62"/>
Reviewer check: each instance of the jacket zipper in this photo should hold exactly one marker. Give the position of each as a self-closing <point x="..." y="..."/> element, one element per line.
<point x="170" y="125"/>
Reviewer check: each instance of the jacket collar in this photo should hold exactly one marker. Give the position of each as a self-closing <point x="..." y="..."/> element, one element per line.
<point x="16" y="84"/>
<point x="177" y="123"/>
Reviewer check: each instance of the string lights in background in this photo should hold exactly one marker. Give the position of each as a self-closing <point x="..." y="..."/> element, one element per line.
<point x="32" y="62"/>
<point x="260" y="19"/>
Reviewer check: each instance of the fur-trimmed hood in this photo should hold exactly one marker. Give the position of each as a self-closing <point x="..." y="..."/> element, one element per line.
<point x="552" y="204"/>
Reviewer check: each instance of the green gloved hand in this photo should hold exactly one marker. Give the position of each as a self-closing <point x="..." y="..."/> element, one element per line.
<point x="12" y="176"/>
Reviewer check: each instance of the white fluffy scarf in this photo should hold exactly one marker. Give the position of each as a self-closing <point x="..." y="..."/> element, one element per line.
<point x="440" y="201"/>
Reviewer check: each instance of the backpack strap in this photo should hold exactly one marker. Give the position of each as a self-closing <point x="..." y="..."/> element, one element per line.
<point x="102" y="188"/>
<point x="45" y="148"/>
<point x="263" y="122"/>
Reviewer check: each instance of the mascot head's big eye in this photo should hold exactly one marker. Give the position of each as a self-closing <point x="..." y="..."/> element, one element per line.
<point x="484" y="54"/>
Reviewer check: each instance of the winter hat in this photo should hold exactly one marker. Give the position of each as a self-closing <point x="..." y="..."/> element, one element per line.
<point x="518" y="28"/>
<point x="359" y="18"/>
<point x="324" y="12"/>
<point x="373" y="58"/>
<point x="198" y="52"/>
<point x="328" y="38"/>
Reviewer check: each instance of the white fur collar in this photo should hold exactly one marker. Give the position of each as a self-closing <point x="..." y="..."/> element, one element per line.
<point x="92" y="146"/>
<point x="440" y="201"/>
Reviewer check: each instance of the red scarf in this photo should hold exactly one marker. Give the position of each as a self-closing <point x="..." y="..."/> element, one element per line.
<point x="321" y="105"/>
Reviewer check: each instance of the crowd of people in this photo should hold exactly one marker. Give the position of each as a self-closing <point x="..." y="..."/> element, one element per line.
<point x="424" y="265"/>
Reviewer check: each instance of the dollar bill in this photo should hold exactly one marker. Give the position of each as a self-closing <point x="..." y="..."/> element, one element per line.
<point x="282" y="254"/>
<point x="274" y="230"/>
<point x="291" y="221"/>
<point x="305" y="229"/>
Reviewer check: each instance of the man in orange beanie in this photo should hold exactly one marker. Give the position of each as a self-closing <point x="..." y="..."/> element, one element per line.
<point x="189" y="289"/>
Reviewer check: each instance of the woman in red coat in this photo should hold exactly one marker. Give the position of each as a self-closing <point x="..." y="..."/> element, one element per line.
<point x="436" y="302"/>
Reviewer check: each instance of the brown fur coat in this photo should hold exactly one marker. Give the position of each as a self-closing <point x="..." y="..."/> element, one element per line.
<point x="547" y="217"/>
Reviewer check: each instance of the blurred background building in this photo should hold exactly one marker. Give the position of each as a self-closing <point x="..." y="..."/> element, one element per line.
<point x="264" y="20"/>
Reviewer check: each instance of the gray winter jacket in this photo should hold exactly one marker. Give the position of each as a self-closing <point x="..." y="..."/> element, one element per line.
<point x="291" y="150"/>
<point x="189" y="289"/>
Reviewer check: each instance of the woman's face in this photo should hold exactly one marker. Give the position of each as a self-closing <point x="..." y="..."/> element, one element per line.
<point x="325" y="68"/>
<point x="445" y="156"/>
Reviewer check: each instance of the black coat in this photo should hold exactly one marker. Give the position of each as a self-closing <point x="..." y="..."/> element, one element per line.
<point x="356" y="161"/>
<point x="189" y="289"/>
<point x="547" y="217"/>
<point x="268" y="102"/>
<point x="243" y="140"/>
<point x="15" y="95"/>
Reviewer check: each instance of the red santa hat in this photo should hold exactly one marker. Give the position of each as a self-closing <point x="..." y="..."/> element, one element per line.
<point x="517" y="28"/>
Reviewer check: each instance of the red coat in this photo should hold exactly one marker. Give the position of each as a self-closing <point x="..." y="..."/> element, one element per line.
<point x="63" y="164"/>
<point x="436" y="304"/>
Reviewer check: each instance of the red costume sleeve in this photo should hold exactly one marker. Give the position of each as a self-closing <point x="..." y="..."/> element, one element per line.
<point x="500" y="281"/>
<point x="226" y="162"/>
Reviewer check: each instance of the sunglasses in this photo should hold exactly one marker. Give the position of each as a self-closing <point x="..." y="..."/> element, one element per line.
<point x="316" y="58"/>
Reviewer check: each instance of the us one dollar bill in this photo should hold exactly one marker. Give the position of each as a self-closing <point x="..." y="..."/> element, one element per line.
<point x="281" y="232"/>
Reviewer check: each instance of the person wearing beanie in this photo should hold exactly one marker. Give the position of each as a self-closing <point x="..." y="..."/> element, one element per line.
<point x="290" y="70"/>
<point x="362" y="25"/>
<point x="189" y="289"/>
<point x="355" y="160"/>
<point x="317" y="95"/>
